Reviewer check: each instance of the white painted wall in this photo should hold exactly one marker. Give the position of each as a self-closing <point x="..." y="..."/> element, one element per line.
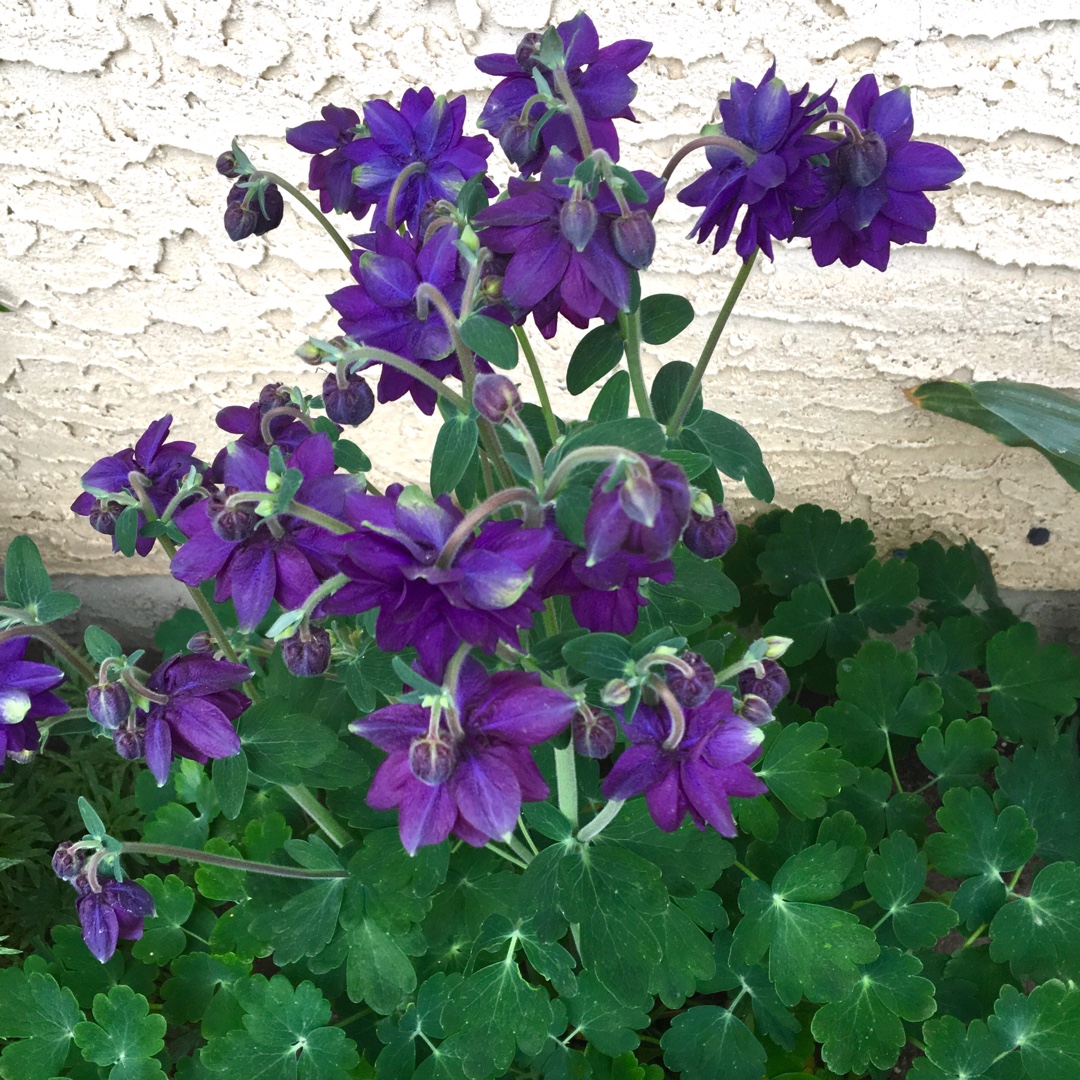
<point x="130" y="301"/>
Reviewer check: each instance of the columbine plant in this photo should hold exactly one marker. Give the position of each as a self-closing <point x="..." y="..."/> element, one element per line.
<point x="525" y="706"/>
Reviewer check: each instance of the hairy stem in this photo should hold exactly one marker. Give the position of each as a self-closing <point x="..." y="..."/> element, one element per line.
<point x="538" y="382"/>
<point x="311" y="208"/>
<point x="566" y="783"/>
<point x="631" y="328"/>
<point x="335" y="832"/>
<point x="168" y="851"/>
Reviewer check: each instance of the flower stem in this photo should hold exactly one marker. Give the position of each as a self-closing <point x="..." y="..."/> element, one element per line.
<point x="56" y="643"/>
<point x="168" y="851"/>
<point x="519" y="849"/>
<point x="725" y="141"/>
<point x="317" y="517"/>
<point x="427" y="293"/>
<point x="601" y="821"/>
<point x="337" y="834"/>
<point x="710" y="345"/>
<point x="493" y="847"/>
<point x="631" y="328"/>
<point x="586" y="455"/>
<point x="382" y="356"/>
<point x="400" y="181"/>
<point x="892" y="765"/>
<point x="573" y="106"/>
<point x="566" y="783"/>
<point x="528" y="443"/>
<point x="538" y="382"/>
<point x="312" y="209"/>
<point x="516" y="496"/>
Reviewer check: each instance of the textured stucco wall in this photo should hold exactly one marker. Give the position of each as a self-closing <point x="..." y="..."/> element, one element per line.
<point x="130" y="301"/>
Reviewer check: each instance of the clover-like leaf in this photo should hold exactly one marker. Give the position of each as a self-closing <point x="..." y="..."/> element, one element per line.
<point x="799" y="772"/>
<point x="954" y="1052"/>
<point x="197" y="978"/>
<point x="946" y="578"/>
<point x="979" y="845"/>
<point x="883" y="594"/>
<point x="865" y="1026"/>
<point x="686" y="957"/>
<point x="960" y="755"/>
<point x="706" y="1042"/>
<point x="957" y="645"/>
<point x="124" y="1035"/>
<point x="39" y="1014"/>
<point x="1045" y="1026"/>
<point x="163" y="934"/>
<point x="610" y="1024"/>
<point x="377" y="971"/>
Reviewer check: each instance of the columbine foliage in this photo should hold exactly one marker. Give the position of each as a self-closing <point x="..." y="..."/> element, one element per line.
<point x="515" y="777"/>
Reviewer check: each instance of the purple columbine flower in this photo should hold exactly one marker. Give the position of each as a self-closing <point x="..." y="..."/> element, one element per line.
<point x="482" y="595"/>
<point x="599" y="78"/>
<point x="426" y="130"/>
<point x="771" y="684"/>
<point x="331" y="170"/>
<point x="163" y="466"/>
<point x="874" y="184"/>
<point x="466" y="768"/>
<point x="380" y="310"/>
<point x="117" y="911"/>
<point x="773" y="125"/>
<point x="254" y="563"/>
<point x="547" y="273"/>
<point x="640" y="507"/>
<point x="710" y="537"/>
<point x="700" y="775"/>
<point x="196" y="720"/>
<point x="25" y="698"/>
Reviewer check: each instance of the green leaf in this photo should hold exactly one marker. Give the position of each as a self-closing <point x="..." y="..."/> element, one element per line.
<point x="26" y="581"/>
<point x="686" y="958"/>
<point x="177" y="825"/>
<point x="957" y="645"/>
<point x="230" y="783"/>
<point x="667" y="390"/>
<point x="124" y="1035"/>
<point x="895" y="877"/>
<point x="788" y="921"/>
<point x="700" y="588"/>
<point x="980" y="846"/>
<point x="94" y="825"/>
<point x="814" y="545"/>
<point x="879" y="696"/>
<point x="197" y="979"/>
<point x="127" y="530"/>
<point x="961" y="755"/>
<point x="278" y="742"/>
<point x="641" y="434"/>
<point x="1039" y="934"/>
<point x="454" y="448"/>
<point x="954" y="1053"/>
<point x="163" y="937"/>
<point x="600" y="656"/>
<point x="377" y="970"/>
<point x="946" y="577"/>
<point x="1031" y="685"/>
<point x="57" y="605"/>
<point x="285" y="1037"/>
<point x="883" y="593"/>
<point x="42" y="1016"/>
<point x="219" y="882"/>
<point x="800" y="773"/>
<point x="595" y="355"/>
<point x="865" y="1026"/>
<point x="613" y="401"/>
<point x="491" y="339"/>
<point x="807" y="618"/>
<point x="707" y="1042"/>
<point x="1045" y="1025"/>
<point x="1046" y="783"/>
<point x="735" y="453"/>
<point x="663" y="317"/>
<point x="349" y="456"/>
<point x="609" y="1024"/>
<point x="100" y="645"/>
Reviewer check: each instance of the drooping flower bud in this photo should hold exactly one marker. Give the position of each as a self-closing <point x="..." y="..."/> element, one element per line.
<point x="516" y="140"/>
<point x="772" y="685"/>
<point x="129" y="742"/>
<point x="616" y="692"/>
<point x="495" y="397"/>
<point x="527" y="53"/>
<point x="692" y="690"/>
<point x="249" y="212"/>
<point x="862" y="162"/>
<point x="103" y="517"/>
<point x="230" y="523"/>
<point x="226" y="165"/>
<point x="202" y="642"/>
<point x="432" y="760"/>
<point x="240" y="222"/>
<point x="755" y="710"/>
<point x="351" y="405"/>
<point x="577" y="222"/>
<point x="634" y="238"/>
<point x="593" y="733"/>
<point x="711" y="537"/>
<point x="307" y="657"/>
<point x="108" y="704"/>
<point x="273" y="396"/>
<point x="68" y="861"/>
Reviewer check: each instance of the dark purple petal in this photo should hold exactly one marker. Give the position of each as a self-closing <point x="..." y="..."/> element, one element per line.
<point x="890" y="116"/>
<point x="487" y="794"/>
<point x="100" y="929"/>
<point x="158" y="747"/>
<point x="393" y="727"/>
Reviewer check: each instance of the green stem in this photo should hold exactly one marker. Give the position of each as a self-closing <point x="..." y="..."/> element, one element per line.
<point x="586" y="455"/>
<point x="528" y="443"/>
<point x="892" y="764"/>
<point x="495" y="849"/>
<point x="494" y="451"/>
<point x="426" y="293"/>
<point x="710" y="346"/>
<point x="519" y="849"/>
<point x="566" y="92"/>
<point x="528" y="835"/>
<point x="400" y="181"/>
<point x="978" y="932"/>
<point x="566" y="784"/>
<point x="338" y="835"/>
<point x="56" y="643"/>
<point x="832" y="602"/>
<point x="312" y="209"/>
<point x="880" y="921"/>
<point x="746" y="870"/>
<point x="599" y="823"/>
<point x="168" y="851"/>
<point x="725" y="141"/>
<point x="538" y="382"/>
<point x="382" y="356"/>
<point x="631" y="328"/>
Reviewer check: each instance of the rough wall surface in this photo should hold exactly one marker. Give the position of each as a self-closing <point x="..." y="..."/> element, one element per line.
<point x="129" y="300"/>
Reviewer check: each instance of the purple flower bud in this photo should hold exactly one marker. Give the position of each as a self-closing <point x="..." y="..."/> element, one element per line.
<point x="772" y="685"/>
<point x="432" y="760"/>
<point x="709" y="538"/>
<point x="307" y="657"/>
<point x="862" y="162"/>
<point x="615" y="693"/>
<point x="240" y="223"/>
<point x="692" y="690"/>
<point x="593" y="732"/>
<point x="249" y="213"/>
<point x="634" y="238"/>
<point x="527" y="53"/>
<point x="117" y="911"/>
<point x="226" y="165"/>
<point x="495" y="397"/>
<point x="273" y="396"/>
<point x="129" y="742"/>
<point x="230" y="523"/>
<point x="577" y="222"/>
<point x="755" y="710"/>
<point x="351" y="406"/>
<point x="108" y="704"/>
<point x="103" y="517"/>
<point x="68" y="861"/>
<point x="202" y="642"/>
<point x="516" y="140"/>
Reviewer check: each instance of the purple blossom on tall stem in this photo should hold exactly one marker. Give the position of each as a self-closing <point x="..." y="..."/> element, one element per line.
<point x="115" y="910"/>
<point x="331" y="170"/>
<point x="415" y="154"/>
<point x="25" y="698"/>
<point x="771" y="177"/>
<point x="463" y="766"/>
<point x="162" y="465"/>
<point x="875" y="183"/>
<point x="598" y="77"/>
<point x="696" y="770"/>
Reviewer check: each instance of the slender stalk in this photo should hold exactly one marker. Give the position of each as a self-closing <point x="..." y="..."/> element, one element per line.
<point x="295" y="509"/>
<point x="844" y="120"/>
<point x="528" y="835"/>
<point x="400" y="181"/>
<point x="493" y="847"/>
<point x="168" y="851"/>
<point x="536" y="466"/>
<point x="710" y="345"/>
<point x="586" y="455"/>
<point x="312" y="209"/>
<point x="725" y="141"/>
<point x="631" y="328"/>
<point x="494" y="451"/>
<point x="56" y="643"/>
<point x="573" y="106"/>
<point x="282" y="410"/>
<point x="336" y="833"/>
<point x="601" y="821"/>
<point x="538" y="382"/>
<point x="566" y="783"/>
<point x="746" y="870"/>
<point x="892" y="764"/>
<point x="327" y="588"/>
<point x="382" y="356"/>
<point x="472" y="282"/>
<point x="517" y="496"/>
<point x="519" y="849"/>
<point x="427" y="293"/>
